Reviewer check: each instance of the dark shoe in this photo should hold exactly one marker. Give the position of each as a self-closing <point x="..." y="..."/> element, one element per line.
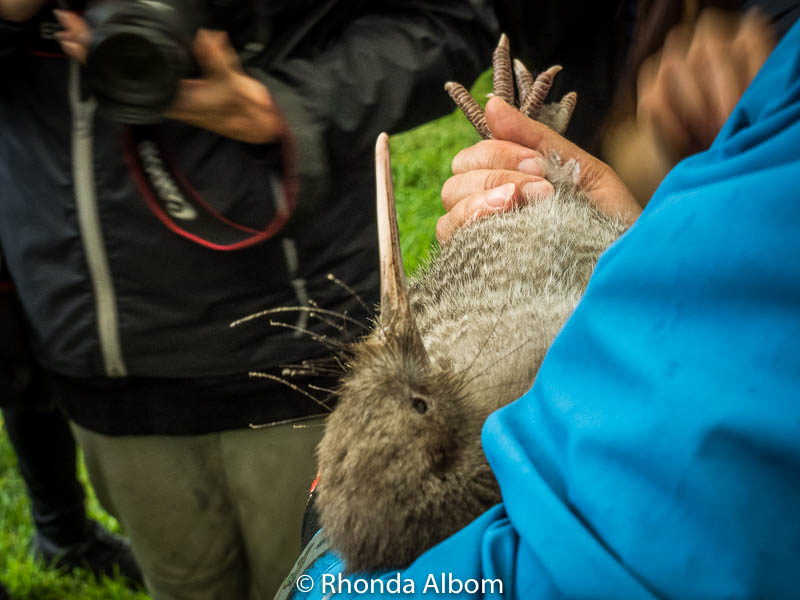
<point x="101" y="552"/>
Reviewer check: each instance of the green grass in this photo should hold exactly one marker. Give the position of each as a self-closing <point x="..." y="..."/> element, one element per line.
<point x="26" y="579"/>
<point x="421" y="163"/>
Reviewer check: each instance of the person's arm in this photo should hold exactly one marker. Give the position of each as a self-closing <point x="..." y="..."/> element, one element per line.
<point x="686" y="91"/>
<point x="410" y="53"/>
<point x="328" y="95"/>
<point x="224" y="99"/>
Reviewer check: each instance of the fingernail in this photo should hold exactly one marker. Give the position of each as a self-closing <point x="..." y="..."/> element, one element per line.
<point x="499" y="197"/>
<point x="530" y="166"/>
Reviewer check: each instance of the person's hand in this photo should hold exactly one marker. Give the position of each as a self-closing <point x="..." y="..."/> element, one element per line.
<point x="688" y="90"/>
<point x="76" y="35"/>
<point x="225" y="99"/>
<point x="20" y="10"/>
<point x="491" y="176"/>
<point x="498" y="174"/>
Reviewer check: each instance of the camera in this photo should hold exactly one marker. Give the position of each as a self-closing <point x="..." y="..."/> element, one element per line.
<point x="139" y="52"/>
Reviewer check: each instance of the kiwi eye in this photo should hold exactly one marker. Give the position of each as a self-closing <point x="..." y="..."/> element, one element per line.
<point x="420" y="405"/>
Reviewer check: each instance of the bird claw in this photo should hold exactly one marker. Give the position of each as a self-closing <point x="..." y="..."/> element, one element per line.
<point x="529" y="91"/>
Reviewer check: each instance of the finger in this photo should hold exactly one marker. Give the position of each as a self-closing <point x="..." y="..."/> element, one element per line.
<point x="681" y="109"/>
<point x="214" y="53"/>
<point x="754" y="42"/>
<point x="74" y="26"/>
<point x="733" y="47"/>
<point x="670" y="134"/>
<point x="493" y="154"/>
<point x="717" y="23"/>
<point x="498" y="199"/>
<point x="76" y="35"/>
<point x="647" y="76"/>
<point x="716" y="72"/>
<point x="686" y="100"/>
<point x="725" y="83"/>
<point x="677" y="41"/>
<point x="671" y="57"/>
<point x="670" y="104"/>
<point x="485" y="203"/>
<point x="458" y="187"/>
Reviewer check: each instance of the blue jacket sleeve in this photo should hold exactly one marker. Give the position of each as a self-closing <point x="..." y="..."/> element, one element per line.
<point x="657" y="454"/>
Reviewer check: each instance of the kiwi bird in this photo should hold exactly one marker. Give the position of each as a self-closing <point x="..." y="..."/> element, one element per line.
<point x="401" y="463"/>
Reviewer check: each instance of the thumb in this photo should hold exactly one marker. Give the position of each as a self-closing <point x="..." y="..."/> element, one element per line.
<point x="507" y="123"/>
<point x="597" y="180"/>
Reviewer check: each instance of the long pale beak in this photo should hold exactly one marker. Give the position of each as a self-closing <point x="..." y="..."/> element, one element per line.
<point x="395" y="308"/>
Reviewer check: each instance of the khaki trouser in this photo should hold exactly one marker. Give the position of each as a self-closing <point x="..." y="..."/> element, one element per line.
<point x="210" y="517"/>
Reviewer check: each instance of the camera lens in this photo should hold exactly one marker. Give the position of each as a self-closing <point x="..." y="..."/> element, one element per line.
<point x="130" y="68"/>
<point x="139" y="53"/>
<point x="136" y="60"/>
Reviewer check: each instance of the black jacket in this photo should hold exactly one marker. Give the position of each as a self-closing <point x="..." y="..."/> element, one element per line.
<point x="15" y="371"/>
<point x="114" y="295"/>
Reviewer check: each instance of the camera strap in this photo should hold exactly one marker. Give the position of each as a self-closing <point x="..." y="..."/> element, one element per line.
<point x="173" y="200"/>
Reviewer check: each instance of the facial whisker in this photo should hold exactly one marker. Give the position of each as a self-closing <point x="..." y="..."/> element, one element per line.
<point x="342" y="366"/>
<point x="294" y="425"/>
<point x="306" y="368"/>
<point x="326" y="341"/>
<point x="352" y="292"/>
<point x="308" y="309"/>
<point x="262" y="375"/>
<point x="319" y="388"/>
<point x="319" y="316"/>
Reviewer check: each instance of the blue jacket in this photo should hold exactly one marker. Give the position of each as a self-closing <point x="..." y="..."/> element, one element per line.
<point x="658" y="453"/>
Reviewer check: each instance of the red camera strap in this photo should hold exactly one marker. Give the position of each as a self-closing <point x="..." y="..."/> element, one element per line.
<point x="182" y="209"/>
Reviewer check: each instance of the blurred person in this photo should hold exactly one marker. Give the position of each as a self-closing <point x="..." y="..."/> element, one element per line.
<point x="605" y="47"/>
<point x="134" y="248"/>
<point x="39" y="433"/>
<point x="687" y="66"/>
